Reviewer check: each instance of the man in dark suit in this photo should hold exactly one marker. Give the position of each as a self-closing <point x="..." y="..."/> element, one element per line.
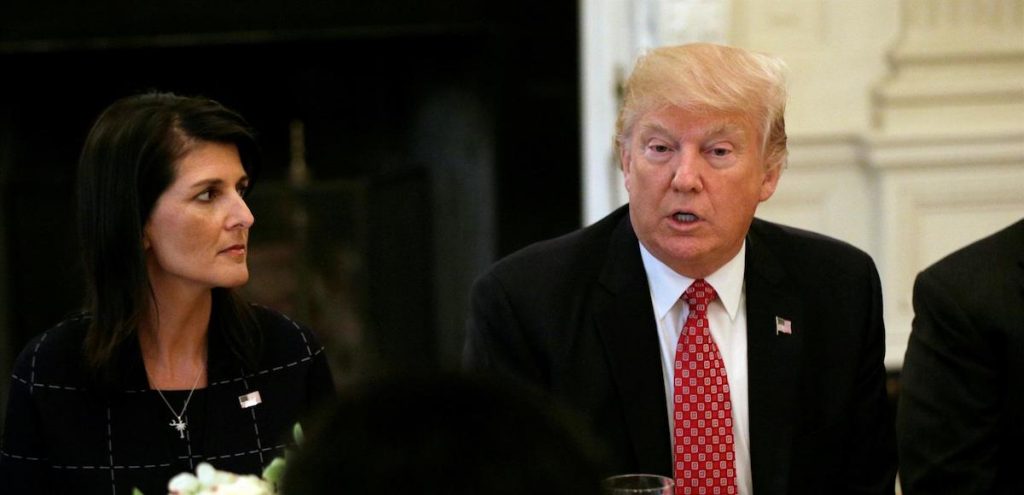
<point x="962" y="398"/>
<point x="731" y="354"/>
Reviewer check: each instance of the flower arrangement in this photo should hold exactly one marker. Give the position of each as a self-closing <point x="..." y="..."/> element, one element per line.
<point x="208" y="480"/>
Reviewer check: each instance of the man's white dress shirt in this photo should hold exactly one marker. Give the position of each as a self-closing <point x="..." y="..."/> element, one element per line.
<point x="727" y="317"/>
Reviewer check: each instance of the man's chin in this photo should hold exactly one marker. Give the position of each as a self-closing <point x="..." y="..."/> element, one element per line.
<point x="690" y="256"/>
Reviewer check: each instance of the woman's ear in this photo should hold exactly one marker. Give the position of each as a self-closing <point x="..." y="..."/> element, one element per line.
<point x="145" y="237"/>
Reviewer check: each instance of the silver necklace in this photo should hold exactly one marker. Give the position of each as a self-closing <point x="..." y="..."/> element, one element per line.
<point x="177" y="423"/>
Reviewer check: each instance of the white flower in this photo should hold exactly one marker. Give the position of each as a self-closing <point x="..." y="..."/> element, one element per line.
<point x="246" y="485"/>
<point x="183" y="483"/>
<point x="210" y="481"/>
<point x="207" y="475"/>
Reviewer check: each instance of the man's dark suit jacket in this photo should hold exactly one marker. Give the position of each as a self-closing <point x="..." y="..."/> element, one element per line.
<point x="961" y="413"/>
<point x="573" y="317"/>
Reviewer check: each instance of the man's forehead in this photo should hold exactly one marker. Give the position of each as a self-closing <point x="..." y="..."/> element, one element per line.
<point x="676" y="121"/>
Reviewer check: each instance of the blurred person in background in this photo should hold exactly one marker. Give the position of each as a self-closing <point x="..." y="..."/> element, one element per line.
<point x="729" y="353"/>
<point x="962" y="385"/>
<point x="166" y="368"/>
<point x="444" y="435"/>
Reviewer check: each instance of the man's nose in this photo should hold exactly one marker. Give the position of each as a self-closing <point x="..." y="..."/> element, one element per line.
<point x="686" y="176"/>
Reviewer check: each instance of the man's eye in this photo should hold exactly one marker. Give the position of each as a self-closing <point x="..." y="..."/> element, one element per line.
<point x="720" y="152"/>
<point x="659" y="148"/>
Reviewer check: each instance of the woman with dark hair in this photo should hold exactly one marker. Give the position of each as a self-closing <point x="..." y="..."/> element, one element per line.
<point x="167" y="367"/>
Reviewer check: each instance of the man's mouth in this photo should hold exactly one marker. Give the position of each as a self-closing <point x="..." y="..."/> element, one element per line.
<point x="685" y="217"/>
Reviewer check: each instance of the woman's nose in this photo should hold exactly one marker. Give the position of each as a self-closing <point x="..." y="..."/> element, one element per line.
<point x="240" y="215"/>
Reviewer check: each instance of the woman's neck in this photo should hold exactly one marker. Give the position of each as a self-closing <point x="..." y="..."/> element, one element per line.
<point x="173" y="337"/>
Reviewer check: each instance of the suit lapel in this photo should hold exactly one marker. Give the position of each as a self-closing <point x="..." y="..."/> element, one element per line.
<point x="773" y="360"/>
<point x="1015" y="243"/>
<point x="625" y="322"/>
<point x="1020" y="274"/>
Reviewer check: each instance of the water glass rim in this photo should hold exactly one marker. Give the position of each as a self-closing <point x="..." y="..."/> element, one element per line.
<point x="658" y="481"/>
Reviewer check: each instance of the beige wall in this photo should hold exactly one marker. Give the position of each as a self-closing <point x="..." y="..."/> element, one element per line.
<point x="835" y="51"/>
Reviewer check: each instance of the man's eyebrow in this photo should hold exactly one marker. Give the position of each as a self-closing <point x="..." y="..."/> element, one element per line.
<point x="651" y="127"/>
<point x="727" y="128"/>
<point x="724" y="128"/>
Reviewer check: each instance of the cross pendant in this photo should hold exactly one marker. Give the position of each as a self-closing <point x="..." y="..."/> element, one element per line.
<point x="179" y="425"/>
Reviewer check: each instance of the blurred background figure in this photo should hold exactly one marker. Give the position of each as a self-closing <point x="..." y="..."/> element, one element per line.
<point x="443" y="435"/>
<point x="167" y="367"/>
<point x="958" y="421"/>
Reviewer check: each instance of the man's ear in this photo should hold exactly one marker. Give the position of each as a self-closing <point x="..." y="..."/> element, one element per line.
<point x="769" y="182"/>
<point x="625" y="163"/>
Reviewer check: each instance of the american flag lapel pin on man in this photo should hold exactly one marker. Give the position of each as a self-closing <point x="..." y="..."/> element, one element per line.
<point x="783" y="326"/>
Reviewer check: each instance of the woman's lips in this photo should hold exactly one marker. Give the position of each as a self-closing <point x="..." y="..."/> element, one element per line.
<point x="236" y="250"/>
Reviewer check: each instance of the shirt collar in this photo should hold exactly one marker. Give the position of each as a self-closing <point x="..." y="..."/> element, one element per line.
<point x="667" y="286"/>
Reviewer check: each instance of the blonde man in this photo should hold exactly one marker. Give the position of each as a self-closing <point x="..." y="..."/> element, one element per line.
<point x="734" y="355"/>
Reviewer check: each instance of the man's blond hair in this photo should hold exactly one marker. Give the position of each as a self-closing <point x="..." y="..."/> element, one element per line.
<point x="704" y="77"/>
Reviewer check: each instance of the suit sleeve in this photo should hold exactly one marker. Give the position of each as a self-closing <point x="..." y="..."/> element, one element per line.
<point x="496" y="342"/>
<point x="23" y="458"/>
<point x="947" y="417"/>
<point x="872" y="459"/>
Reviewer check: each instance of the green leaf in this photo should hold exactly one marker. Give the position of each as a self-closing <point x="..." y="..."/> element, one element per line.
<point x="297" y="434"/>
<point x="136" y="491"/>
<point x="275" y="471"/>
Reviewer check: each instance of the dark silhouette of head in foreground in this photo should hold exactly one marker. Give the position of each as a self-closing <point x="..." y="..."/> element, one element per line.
<point x="447" y="434"/>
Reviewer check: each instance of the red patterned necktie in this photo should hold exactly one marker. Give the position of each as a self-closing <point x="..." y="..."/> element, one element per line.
<point x="705" y="462"/>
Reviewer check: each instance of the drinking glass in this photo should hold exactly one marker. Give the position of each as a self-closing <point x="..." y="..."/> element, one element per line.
<point x="638" y="484"/>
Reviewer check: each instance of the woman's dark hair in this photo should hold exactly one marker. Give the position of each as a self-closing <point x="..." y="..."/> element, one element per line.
<point x="126" y="164"/>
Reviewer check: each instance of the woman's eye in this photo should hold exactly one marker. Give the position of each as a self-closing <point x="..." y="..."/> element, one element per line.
<point x="243" y="190"/>
<point x="207" y="195"/>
